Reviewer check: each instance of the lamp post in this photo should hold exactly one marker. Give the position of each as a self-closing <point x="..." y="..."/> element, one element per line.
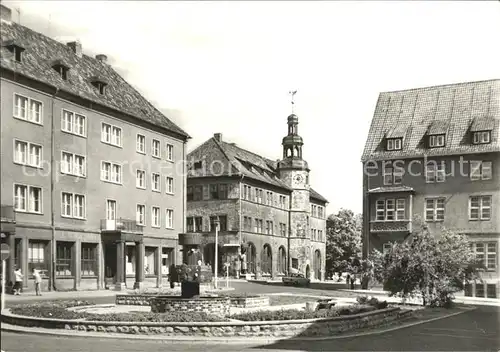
<point x="216" y="264"/>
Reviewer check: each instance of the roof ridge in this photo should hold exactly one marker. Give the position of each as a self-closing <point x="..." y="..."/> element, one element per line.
<point x="246" y="150"/>
<point x="441" y="86"/>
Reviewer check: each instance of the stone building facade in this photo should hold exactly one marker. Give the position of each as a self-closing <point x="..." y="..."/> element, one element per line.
<point x="90" y="192"/>
<point x="433" y="156"/>
<point x="271" y="221"/>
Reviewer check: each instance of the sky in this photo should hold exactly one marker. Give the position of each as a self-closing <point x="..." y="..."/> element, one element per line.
<point x="227" y="66"/>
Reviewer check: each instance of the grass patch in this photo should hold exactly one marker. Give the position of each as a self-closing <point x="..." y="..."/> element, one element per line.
<point x="284" y="300"/>
<point x="59" y="310"/>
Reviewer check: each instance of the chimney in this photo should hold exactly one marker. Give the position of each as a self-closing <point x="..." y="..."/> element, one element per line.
<point x="218" y="137"/>
<point x="5" y="13"/>
<point x="101" y="57"/>
<point x="76" y="47"/>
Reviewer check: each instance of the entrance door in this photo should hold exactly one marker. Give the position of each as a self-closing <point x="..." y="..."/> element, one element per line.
<point x="109" y="260"/>
<point x="308" y="271"/>
<point x="209" y="257"/>
<point x="317" y="265"/>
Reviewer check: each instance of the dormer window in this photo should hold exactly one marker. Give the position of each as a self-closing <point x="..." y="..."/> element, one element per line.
<point x="16" y="50"/>
<point x="394" y="144"/>
<point x="99" y="83"/>
<point x="61" y="68"/>
<point x="481" y="137"/>
<point x="197" y="165"/>
<point x="437" y="141"/>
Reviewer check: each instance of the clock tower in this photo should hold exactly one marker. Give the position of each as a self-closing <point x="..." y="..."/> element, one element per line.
<point x="294" y="171"/>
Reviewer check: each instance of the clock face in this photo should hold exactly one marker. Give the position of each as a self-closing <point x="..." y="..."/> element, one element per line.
<point x="298" y="178"/>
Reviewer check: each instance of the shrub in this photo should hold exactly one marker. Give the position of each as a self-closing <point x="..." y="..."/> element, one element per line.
<point x="362" y="299"/>
<point x="295" y="314"/>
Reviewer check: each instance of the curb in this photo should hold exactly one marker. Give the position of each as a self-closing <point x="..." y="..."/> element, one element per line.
<point x="47" y="332"/>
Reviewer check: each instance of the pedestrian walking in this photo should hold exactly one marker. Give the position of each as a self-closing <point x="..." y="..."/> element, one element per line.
<point x="19" y="281"/>
<point x="38" y="281"/>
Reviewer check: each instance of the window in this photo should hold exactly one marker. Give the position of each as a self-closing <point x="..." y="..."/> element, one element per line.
<point x="481" y="137"/>
<point x="269" y="227"/>
<point x="101" y="86"/>
<point x="283" y="202"/>
<point x="479" y="290"/>
<point x="140" y="215"/>
<point x="390" y="209"/>
<point x="62" y="70"/>
<point x="36" y="255"/>
<point x="140" y="146"/>
<point x="222" y="191"/>
<point x="111" y="135"/>
<point x="27" y="198"/>
<point x="73" y="164"/>
<point x="222" y="223"/>
<point x="380" y="210"/>
<point x="491" y="291"/>
<point x="111" y="172"/>
<point x="437" y="141"/>
<point x="283" y="229"/>
<point x="170" y="185"/>
<point x="110" y="209"/>
<point x="313" y="210"/>
<point x="155" y="148"/>
<point x="392" y="176"/>
<point x="170" y="152"/>
<point x="480" y="208"/>
<point x="89" y="259"/>
<point x="155" y="182"/>
<point x="481" y="170"/>
<point x="259" y="195"/>
<point x="26" y="153"/>
<point x="64" y="262"/>
<point x="28" y="109"/>
<point x="434" y="209"/>
<point x="491" y="256"/>
<point x="394" y="144"/>
<point x="247" y="191"/>
<point x="73" y="205"/>
<point x="155" y="217"/>
<point x="73" y="123"/>
<point x="189" y="192"/>
<point x="435" y="172"/>
<point x="400" y="209"/>
<point x="198" y="193"/>
<point x="140" y="179"/>
<point x="320" y="212"/>
<point x="170" y="218"/>
<point x="269" y="198"/>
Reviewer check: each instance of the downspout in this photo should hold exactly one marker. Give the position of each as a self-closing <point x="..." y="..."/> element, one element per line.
<point x="53" y="173"/>
<point x="184" y="197"/>
<point x="289" y="234"/>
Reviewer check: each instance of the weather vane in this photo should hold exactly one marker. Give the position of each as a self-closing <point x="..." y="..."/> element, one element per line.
<point x="292" y="93"/>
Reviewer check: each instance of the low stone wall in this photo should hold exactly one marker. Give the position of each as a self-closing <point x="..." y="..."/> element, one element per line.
<point x="134" y="299"/>
<point x="250" y="302"/>
<point x="238" y="329"/>
<point x="210" y="305"/>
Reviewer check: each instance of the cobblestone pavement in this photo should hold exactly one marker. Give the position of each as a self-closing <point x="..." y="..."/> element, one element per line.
<point x="477" y="330"/>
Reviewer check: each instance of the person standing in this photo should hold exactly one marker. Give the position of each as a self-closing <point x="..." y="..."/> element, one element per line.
<point x="38" y="281"/>
<point x="19" y="281"/>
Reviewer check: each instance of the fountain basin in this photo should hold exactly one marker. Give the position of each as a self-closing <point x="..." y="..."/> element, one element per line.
<point x="210" y="305"/>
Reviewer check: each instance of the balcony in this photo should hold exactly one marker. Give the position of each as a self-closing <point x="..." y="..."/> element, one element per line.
<point x="7" y="219"/>
<point x="7" y="213"/>
<point x="121" y="225"/>
<point x="390" y="226"/>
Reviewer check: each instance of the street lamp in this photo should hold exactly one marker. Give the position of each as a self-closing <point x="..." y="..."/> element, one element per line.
<point x="216" y="264"/>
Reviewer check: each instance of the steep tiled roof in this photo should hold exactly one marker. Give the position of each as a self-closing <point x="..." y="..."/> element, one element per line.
<point x="248" y="164"/>
<point x="456" y="109"/>
<point x="41" y="52"/>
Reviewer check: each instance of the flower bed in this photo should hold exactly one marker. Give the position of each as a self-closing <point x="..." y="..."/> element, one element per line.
<point x="239" y="329"/>
<point x="295" y="314"/>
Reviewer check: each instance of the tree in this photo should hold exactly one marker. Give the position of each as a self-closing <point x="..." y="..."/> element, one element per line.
<point x="434" y="266"/>
<point x="343" y="241"/>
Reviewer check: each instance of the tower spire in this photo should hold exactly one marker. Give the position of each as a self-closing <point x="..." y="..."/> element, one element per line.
<point x="292" y="93"/>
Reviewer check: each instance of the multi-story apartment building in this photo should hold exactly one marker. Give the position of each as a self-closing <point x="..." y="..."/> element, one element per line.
<point x="271" y="220"/>
<point x="433" y="156"/>
<point x="91" y="170"/>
